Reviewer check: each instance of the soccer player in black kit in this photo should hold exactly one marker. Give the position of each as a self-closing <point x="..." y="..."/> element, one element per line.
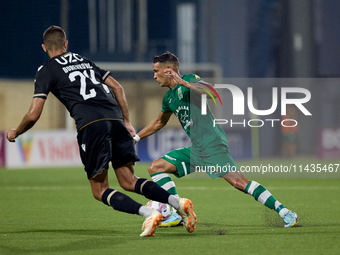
<point x="97" y="103"/>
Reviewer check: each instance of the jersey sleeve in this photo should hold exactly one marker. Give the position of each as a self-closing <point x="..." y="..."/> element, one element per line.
<point x="165" y="104"/>
<point x="43" y="83"/>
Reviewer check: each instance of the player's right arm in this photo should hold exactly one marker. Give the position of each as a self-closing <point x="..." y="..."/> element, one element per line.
<point x="156" y="124"/>
<point x="43" y="83"/>
<point x="28" y="121"/>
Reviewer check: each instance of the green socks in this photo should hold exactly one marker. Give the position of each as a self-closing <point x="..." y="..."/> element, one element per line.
<point x="262" y="195"/>
<point x="165" y="181"/>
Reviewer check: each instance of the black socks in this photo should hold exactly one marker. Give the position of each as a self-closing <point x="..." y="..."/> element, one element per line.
<point x="120" y="201"/>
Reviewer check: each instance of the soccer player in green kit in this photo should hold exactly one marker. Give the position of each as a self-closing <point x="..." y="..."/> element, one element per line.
<point x="209" y="145"/>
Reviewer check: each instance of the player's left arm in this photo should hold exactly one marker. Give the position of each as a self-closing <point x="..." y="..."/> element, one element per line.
<point x="28" y="121"/>
<point x="122" y="102"/>
<point x="195" y="87"/>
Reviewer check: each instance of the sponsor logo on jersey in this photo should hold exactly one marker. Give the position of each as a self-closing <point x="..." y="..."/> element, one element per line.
<point x="184" y="117"/>
<point x="69" y="58"/>
<point x="180" y="94"/>
<point x="186" y="108"/>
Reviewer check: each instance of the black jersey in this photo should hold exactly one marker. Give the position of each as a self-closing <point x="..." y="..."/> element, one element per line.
<point x="79" y="84"/>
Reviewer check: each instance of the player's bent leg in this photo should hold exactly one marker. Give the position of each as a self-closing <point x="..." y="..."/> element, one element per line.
<point x="149" y="189"/>
<point x="184" y="206"/>
<point x="126" y="177"/>
<point x="159" y="171"/>
<point x="124" y="203"/>
<point x="176" y="162"/>
<point x="121" y="202"/>
<point x="161" y="165"/>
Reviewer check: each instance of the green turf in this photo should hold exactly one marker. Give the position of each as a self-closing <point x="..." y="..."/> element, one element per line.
<point x="51" y="211"/>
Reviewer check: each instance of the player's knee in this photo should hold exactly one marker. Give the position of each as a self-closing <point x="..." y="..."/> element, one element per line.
<point x="155" y="167"/>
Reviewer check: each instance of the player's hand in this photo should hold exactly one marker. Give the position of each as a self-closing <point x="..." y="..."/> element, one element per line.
<point x="11" y="135"/>
<point x="130" y="128"/>
<point x="174" y="76"/>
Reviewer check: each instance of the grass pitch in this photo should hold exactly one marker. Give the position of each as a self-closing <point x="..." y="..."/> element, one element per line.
<point x="51" y="211"/>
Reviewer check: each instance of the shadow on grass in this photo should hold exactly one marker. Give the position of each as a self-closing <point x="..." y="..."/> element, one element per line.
<point x="267" y="229"/>
<point x="76" y="247"/>
<point x="46" y="241"/>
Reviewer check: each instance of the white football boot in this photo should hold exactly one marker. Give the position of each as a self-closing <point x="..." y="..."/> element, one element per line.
<point x="186" y="211"/>
<point x="151" y="223"/>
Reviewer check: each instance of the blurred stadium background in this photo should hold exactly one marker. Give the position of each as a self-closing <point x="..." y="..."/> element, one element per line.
<point x="216" y="39"/>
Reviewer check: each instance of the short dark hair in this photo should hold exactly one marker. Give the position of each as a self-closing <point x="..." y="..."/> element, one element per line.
<point x="54" y="38"/>
<point x="167" y="57"/>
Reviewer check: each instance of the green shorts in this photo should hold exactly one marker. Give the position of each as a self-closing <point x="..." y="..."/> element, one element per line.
<point x="215" y="162"/>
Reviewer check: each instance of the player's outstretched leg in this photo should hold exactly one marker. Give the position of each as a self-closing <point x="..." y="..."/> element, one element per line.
<point x="262" y="195"/>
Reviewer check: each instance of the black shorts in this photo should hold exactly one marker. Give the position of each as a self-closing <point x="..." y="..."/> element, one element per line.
<point x="104" y="141"/>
